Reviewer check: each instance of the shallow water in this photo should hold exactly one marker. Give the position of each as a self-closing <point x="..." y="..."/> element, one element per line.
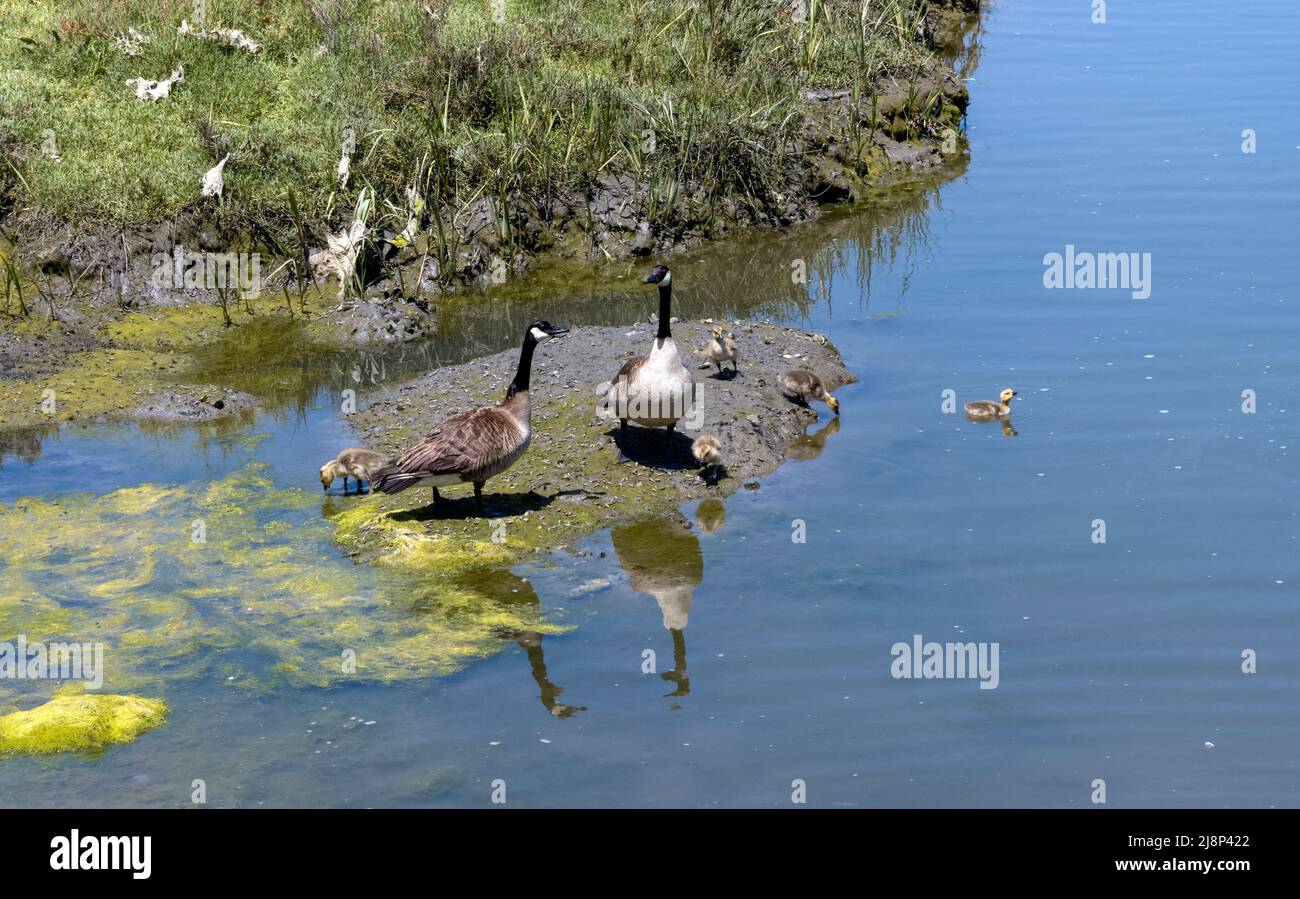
<point x="1119" y="661"/>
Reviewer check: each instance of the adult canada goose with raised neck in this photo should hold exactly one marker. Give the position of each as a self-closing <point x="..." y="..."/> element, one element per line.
<point x="987" y="410"/>
<point x="804" y="386"/>
<point x="655" y="390"/>
<point x="472" y="446"/>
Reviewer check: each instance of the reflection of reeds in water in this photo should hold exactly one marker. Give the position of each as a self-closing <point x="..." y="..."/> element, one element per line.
<point x="25" y="443"/>
<point x="781" y="275"/>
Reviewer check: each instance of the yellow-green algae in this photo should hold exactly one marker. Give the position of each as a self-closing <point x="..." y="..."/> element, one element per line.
<point x="83" y="722"/>
<point x="262" y="598"/>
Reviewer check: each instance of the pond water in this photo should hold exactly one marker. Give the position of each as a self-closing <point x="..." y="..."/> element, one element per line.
<point x="1118" y="660"/>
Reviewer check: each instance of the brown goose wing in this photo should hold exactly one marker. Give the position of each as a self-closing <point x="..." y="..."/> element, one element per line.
<point x="463" y="444"/>
<point x="630" y="369"/>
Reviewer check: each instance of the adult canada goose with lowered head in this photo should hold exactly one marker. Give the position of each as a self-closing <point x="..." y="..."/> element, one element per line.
<point x="470" y="447"/>
<point x="987" y="410"/>
<point x="804" y="386"/>
<point x="655" y="390"/>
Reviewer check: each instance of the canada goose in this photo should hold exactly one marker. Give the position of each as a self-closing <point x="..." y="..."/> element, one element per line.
<point x="804" y="386"/>
<point x="707" y="450"/>
<point x="475" y="445"/>
<point x="987" y="410"/>
<point x="352" y="462"/>
<point x="655" y="390"/>
<point x="722" y="349"/>
<point x="214" y="180"/>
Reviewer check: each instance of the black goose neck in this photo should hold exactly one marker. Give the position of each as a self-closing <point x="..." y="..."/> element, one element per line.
<point x="665" y="311"/>
<point x="520" y="383"/>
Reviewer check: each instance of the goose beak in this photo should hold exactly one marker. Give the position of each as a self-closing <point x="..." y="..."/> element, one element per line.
<point x="558" y="332"/>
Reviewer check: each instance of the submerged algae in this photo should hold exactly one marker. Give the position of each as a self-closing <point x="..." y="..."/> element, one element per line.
<point x="235" y="578"/>
<point x="85" y="722"/>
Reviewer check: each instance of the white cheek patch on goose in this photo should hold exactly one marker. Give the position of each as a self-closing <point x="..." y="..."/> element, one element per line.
<point x="667" y="279"/>
<point x="539" y="335"/>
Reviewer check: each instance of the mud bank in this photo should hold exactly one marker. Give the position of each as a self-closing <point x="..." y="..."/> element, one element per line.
<point x="571" y="482"/>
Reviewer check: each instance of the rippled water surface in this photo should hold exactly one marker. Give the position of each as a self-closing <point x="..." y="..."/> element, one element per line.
<point x="1119" y="660"/>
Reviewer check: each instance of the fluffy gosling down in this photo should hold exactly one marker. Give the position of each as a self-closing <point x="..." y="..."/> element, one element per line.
<point x="707" y="450"/>
<point x="722" y="348"/>
<point x="353" y="462"/>
<point x="987" y="410"/>
<point x="804" y="386"/>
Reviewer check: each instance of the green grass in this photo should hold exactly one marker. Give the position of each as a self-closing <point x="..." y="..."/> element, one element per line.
<point x="442" y="97"/>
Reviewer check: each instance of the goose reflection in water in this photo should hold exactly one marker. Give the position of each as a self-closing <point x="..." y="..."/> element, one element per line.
<point x="807" y="447"/>
<point x="505" y="587"/>
<point x="662" y="558"/>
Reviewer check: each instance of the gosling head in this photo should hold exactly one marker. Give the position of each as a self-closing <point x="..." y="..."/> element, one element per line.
<point x="660" y="275"/>
<point x="1006" y="395"/>
<point x="541" y="331"/>
<point x="328" y="472"/>
<point x="717" y="331"/>
<point x="833" y="403"/>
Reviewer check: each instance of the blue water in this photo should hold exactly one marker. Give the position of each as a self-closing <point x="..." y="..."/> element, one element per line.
<point x="1119" y="661"/>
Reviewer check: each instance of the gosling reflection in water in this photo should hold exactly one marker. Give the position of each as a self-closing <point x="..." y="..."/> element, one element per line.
<point x="507" y="588"/>
<point x="710" y="516"/>
<point x="807" y="447"/>
<point x="662" y="558"/>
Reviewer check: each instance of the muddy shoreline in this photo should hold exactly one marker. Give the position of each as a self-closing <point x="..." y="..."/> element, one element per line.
<point x="850" y="146"/>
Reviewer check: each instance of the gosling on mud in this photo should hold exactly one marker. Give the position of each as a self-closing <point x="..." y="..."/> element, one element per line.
<point x="472" y="446"/>
<point x="707" y="450"/>
<point x="722" y="348"/>
<point x="803" y="386"/>
<point x="353" y="462"/>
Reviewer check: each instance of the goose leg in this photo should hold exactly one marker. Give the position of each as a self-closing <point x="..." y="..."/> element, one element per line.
<point x="345" y="483"/>
<point x="437" y="497"/>
<point x="620" y="456"/>
<point x="668" y="444"/>
<point x="478" y="496"/>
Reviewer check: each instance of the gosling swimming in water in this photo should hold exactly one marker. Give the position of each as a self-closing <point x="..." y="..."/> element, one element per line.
<point x="804" y="386"/>
<point x="352" y="462"/>
<point x="988" y="410"/>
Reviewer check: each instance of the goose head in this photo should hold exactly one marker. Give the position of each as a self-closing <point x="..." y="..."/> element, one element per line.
<point x="660" y="275"/>
<point x="328" y="472"/>
<point x="541" y="331"/>
<point x="1005" y="396"/>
